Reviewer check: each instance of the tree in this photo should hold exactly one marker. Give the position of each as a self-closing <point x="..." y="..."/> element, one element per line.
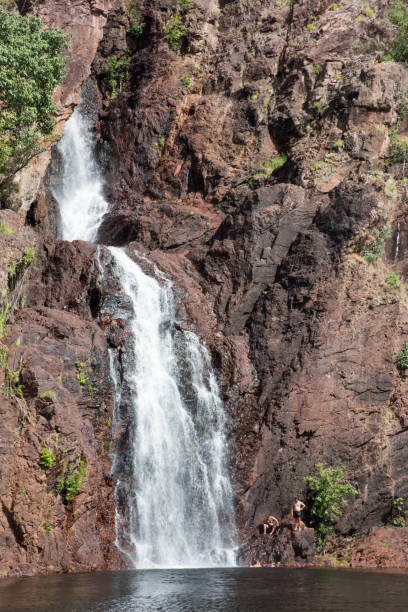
<point x="31" y="66"/>
<point x="328" y="492"/>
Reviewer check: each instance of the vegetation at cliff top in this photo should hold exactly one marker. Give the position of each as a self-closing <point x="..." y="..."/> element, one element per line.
<point x="31" y="66"/>
<point x="328" y="491"/>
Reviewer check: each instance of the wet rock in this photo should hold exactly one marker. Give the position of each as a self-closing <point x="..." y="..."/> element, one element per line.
<point x="286" y="547"/>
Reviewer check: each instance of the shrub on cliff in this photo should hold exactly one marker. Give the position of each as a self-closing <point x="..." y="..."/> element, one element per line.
<point x="173" y="27"/>
<point x="31" y="66"/>
<point x="401" y="359"/>
<point x="46" y="458"/>
<point x="398" y="15"/>
<point x="328" y="491"/>
<point x="374" y="248"/>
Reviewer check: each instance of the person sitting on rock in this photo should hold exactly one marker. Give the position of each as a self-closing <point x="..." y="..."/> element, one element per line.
<point x="270" y="525"/>
<point x="297" y="508"/>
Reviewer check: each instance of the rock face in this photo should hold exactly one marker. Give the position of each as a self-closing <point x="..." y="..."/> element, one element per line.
<point x="56" y="398"/>
<point x="57" y="393"/>
<point x="254" y="166"/>
<point x="286" y="547"/>
<point x="283" y="134"/>
<point x="381" y="547"/>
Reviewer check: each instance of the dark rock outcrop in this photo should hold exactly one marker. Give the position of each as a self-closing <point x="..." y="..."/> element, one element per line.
<point x="286" y="547"/>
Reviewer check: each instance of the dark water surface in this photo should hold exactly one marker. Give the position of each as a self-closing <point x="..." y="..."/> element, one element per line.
<point x="213" y="590"/>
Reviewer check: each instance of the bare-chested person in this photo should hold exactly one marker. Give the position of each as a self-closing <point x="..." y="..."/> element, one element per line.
<point x="297" y="508"/>
<point x="270" y="526"/>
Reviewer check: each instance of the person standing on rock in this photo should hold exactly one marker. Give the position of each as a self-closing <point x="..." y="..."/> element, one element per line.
<point x="297" y="508"/>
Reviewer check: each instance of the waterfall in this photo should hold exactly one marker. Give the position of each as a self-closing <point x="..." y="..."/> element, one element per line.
<point x="397" y="245"/>
<point x="174" y="498"/>
<point x="79" y="192"/>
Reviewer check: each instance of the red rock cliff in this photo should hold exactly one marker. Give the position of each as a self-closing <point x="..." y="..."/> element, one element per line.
<point x="254" y="166"/>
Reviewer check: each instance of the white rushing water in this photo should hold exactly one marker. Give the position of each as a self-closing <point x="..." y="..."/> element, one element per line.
<point x="174" y="499"/>
<point x="80" y="192"/>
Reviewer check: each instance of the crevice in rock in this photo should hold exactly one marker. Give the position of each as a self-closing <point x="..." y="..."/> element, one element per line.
<point x="14" y="526"/>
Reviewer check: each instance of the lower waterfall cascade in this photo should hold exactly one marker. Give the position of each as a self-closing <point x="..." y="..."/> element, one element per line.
<point x="175" y="500"/>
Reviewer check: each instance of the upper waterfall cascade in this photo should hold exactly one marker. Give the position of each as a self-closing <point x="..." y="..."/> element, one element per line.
<point x="80" y="190"/>
<point x="177" y="495"/>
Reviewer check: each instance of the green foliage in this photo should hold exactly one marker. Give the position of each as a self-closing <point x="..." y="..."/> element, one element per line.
<point x="47" y="393"/>
<point x="16" y="268"/>
<point x="269" y="166"/>
<point x="317" y="69"/>
<point x="399" y="512"/>
<point x="392" y="279"/>
<point x="116" y="72"/>
<point x="31" y="66"/>
<point x="70" y="480"/>
<point x="401" y="359"/>
<point x="399" y="147"/>
<point x="173" y="27"/>
<point x="135" y="28"/>
<point x="4" y="316"/>
<point x="46" y="458"/>
<point x="11" y="266"/>
<point x="81" y="377"/>
<point x="399" y="143"/>
<point x="368" y="11"/>
<point x="11" y="386"/>
<point x="317" y="106"/>
<point x="398" y="15"/>
<point x="159" y="145"/>
<point x="186" y="81"/>
<point x="272" y="164"/>
<point x="46" y="527"/>
<point x="174" y="30"/>
<point x="185" y="5"/>
<point x="375" y="247"/>
<point x="3" y="355"/>
<point x="5" y="228"/>
<point x="317" y="165"/>
<point x="28" y="256"/>
<point x="328" y="491"/>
